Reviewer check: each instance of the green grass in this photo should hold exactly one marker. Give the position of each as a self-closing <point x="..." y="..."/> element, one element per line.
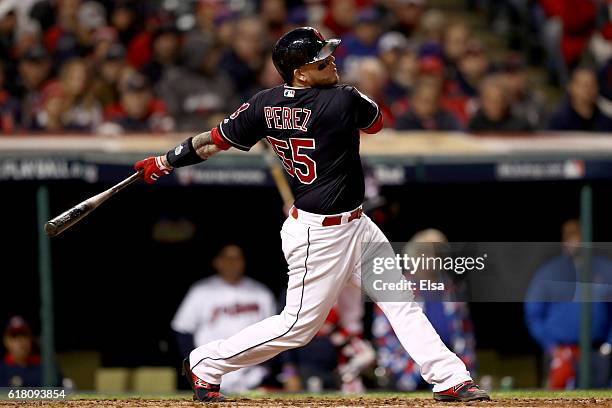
<point x="543" y="394"/>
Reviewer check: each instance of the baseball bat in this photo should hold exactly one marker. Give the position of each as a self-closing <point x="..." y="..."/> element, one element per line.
<point x="278" y="175"/>
<point x="67" y="219"/>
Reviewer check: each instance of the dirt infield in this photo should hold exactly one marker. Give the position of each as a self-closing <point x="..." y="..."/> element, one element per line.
<point x="306" y="402"/>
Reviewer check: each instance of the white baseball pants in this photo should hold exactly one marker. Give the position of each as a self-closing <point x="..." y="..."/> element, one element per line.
<point x="322" y="260"/>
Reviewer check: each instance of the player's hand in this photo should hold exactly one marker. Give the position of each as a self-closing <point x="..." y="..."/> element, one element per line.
<point x="153" y="168"/>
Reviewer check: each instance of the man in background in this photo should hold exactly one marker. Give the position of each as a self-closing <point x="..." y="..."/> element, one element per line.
<point x="579" y="112"/>
<point x="553" y="309"/>
<point x="21" y="364"/>
<point x="220" y="306"/>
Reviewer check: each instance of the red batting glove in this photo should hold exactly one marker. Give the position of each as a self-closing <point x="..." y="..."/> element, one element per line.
<point x="153" y="169"/>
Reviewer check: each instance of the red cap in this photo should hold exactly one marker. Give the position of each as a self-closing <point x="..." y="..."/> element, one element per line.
<point x="17" y="326"/>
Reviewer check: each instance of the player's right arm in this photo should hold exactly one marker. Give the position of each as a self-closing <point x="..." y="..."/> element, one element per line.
<point x="239" y="130"/>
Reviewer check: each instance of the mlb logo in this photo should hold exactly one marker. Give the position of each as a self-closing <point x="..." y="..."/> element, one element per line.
<point x="289" y="93"/>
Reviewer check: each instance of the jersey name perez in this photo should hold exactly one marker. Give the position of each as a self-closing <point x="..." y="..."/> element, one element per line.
<point x="285" y="118"/>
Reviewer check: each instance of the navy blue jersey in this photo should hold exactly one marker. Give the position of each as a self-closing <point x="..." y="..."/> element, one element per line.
<point x="315" y="133"/>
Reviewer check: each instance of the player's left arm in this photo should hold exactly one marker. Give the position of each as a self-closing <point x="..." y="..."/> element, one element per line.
<point x="368" y="116"/>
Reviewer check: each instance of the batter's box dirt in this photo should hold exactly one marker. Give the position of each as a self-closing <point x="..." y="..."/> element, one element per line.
<point x="308" y="402"/>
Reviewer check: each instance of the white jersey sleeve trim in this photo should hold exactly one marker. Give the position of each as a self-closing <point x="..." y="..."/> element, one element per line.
<point x="230" y="141"/>
<point x="364" y="96"/>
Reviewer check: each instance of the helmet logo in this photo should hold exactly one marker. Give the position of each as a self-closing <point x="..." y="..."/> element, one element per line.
<point x="318" y="34"/>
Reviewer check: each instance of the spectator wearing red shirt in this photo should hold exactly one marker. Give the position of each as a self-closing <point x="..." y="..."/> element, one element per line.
<point x="578" y="22"/>
<point x="341" y="16"/>
<point x="49" y="112"/>
<point x="137" y="111"/>
<point x="166" y="45"/>
<point x="21" y="365"/>
<point x="425" y="112"/>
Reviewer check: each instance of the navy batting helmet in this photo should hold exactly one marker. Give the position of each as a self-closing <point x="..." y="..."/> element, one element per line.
<point x="299" y="47"/>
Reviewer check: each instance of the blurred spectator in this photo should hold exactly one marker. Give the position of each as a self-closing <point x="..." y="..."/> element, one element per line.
<point x="81" y="110"/>
<point x="433" y="25"/>
<point x="268" y="77"/>
<point x="552" y="312"/>
<point x="431" y="68"/>
<point x="208" y="14"/>
<point x="400" y="59"/>
<point x="473" y="67"/>
<point x="407" y="15"/>
<point x="525" y="99"/>
<point x="138" y="110"/>
<point x="9" y="106"/>
<point x="370" y="77"/>
<point x="425" y="112"/>
<point x="69" y="104"/>
<point x="140" y="49"/>
<point x="494" y="113"/>
<point x="220" y="306"/>
<point x="21" y="365"/>
<point x="600" y="46"/>
<point x="274" y="14"/>
<point x="198" y="95"/>
<point x="296" y="17"/>
<point x="8" y="26"/>
<point x="73" y="35"/>
<point x="580" y="111"/>
<point x="225" y="25"/>
<point x="604" y="101"/>
<point x="245" y="58"/>
<point x="567" y="32"/>
<point x="390" y="47"/>
<point x="103" y="40"/>
<point x="166" y="46"/>
<point x="456" y="39"/>
<point x="105" y="86"/>
<point x="126" y="18"/>
<point x="34" y="68"/>
<point x="341" y="16"/>
<point x="362" y="42"/>
<point x="49" y="113"/>
<point x="450" y="318"/>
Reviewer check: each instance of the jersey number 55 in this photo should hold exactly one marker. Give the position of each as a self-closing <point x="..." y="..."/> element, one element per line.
<point x="294" y="160"/>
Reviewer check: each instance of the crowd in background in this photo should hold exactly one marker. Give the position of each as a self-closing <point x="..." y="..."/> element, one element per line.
<point x="122" y="66"/>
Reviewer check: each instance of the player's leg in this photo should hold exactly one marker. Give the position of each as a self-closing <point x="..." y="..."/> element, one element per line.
<point x="439" y="366"/>
<point x="318" y="269"/>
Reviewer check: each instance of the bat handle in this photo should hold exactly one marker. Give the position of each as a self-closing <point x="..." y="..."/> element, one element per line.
<point x="130" y="180"/>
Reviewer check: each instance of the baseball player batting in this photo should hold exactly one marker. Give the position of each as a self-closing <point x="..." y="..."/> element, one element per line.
<point x="313" y="124"/>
